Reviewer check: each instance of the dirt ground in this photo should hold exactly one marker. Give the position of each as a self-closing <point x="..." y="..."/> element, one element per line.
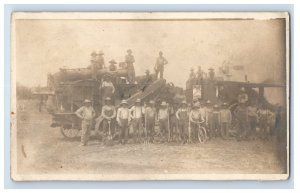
<point x="43" y="150"/>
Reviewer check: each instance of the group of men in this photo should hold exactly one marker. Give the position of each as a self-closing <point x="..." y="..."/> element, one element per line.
<point x="97" y="62"/>
<point x="180" y="124"/>
<point x="142" y="118"/>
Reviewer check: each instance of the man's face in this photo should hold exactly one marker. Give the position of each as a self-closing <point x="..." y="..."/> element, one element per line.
<point x="88" y="104"/>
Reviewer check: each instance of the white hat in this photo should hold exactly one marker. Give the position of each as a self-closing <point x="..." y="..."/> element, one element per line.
<point x="164" y="103"/>
<point x="87" y="101"/>
<point x="123" y="102"/>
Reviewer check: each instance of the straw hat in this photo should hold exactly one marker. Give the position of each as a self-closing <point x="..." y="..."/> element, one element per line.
<point x="152" y="102"/>
<point x="164" y="103"/>
<point x="123" y="102"/>
<point x="87" y="101"/>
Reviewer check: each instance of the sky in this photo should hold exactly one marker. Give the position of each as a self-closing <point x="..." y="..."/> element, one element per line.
<point x="44" y="46"/>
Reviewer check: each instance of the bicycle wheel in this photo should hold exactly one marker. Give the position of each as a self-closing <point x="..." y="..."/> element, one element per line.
<point x="201" y="134"/>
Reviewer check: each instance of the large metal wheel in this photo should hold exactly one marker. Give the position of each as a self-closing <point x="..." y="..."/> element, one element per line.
<point x="202" y="136"/>
<point x="70" y="132"/>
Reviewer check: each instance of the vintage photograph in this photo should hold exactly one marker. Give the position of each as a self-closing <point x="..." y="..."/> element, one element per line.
<point x="150" y="96"/>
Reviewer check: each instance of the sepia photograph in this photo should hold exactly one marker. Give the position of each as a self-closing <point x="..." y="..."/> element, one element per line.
<point x="117" y="96"/>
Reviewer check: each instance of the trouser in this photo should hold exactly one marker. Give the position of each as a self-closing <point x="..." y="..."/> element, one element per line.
<point x="243" y="128"/>
<point x="225" y="129"/>
<point x="183" y="129"/>
<point x="149" y="127"/>
<point x="263" y="124"/>
<point x="194" y="131"/>
<point x="124" y="130"/>
<point x="252" y="124"/>
<point x="137" y="125"/>
<point x="131" y="75"/>
<point x="164" y="128"/>
<point x="212" y="128"/>
<point x="108" y="127"/>
<point x="85" y="132"/>
<point x="159" y="71"/>
<point x="173" y="127"/>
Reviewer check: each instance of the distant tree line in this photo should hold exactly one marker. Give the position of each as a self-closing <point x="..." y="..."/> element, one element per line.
<point x="23" y="92"/>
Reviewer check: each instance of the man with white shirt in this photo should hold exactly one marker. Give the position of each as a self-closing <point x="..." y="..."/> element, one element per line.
<point x="86" y="113"/>
<point x="123" y="118"/>
<point x="136" y="114"/>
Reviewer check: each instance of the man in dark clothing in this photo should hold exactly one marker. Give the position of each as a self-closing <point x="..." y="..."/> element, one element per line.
<point x="129" y="60"/>
<point x="241" y="114"/>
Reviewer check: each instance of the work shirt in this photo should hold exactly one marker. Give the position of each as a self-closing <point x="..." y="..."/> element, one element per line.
<point x="252" y="111"/>
<point x="150" y="112"/>
<point x="196" y="115"/>
<point x="163" y="114"/>
<point x="263" y="113"/>
<point x="123" y="113"/>
<point x="136" y="112"/>
<point x="86" y="113"/>
<point x="242" y="113"/>
<point x="182" y="114"/>
<point x="160" y="62"/>
<point x="108" y="111"/>
<point x="216" y="116"/>
<point x="225" y="116"/>
<point x="108" y="84"/>
<point x="129" y="59"/>
<point x="208" y="114"/>
<point x="243" y="97"/>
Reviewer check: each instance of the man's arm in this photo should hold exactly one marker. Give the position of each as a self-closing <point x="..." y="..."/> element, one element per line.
<point x="93" y="113"/>
<point x="118" y="116"/>
<point x="177" y="114"/>
<point x="78" y="113"/>
<point x="165" y="61"/>
<point x="113" y="88"/>
<point x="131" y="112"/>
<point x="114" y="113"/>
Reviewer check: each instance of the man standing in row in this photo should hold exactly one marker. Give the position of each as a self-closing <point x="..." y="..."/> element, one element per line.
<point x="225" y="121"/>
<point x="163" y="118"/>
<point x="159" y="65"/>
<point x="136" y="114"/>
<point x="150" y="114"/>
<point x="182" y="115"/>
<point x="86" y="113"/>
<point x="123" y="118"/>
<point x="108" y="114"/>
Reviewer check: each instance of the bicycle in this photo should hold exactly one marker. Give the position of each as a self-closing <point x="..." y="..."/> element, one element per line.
<point x="201" y="131"/>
